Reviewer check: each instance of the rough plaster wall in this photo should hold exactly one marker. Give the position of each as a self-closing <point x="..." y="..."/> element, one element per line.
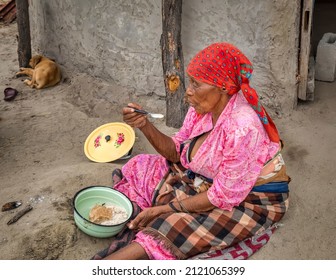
<point x="119" y="40"/>
<point x="115" y="40"/>
<point x="266" y="31"/>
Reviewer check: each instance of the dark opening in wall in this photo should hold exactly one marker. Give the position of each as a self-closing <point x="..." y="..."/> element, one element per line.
<point x="324" y="21"/>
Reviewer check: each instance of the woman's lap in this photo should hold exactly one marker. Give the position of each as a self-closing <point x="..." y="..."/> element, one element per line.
<point x="141" y="174"/>
<point x="186" y="235"/>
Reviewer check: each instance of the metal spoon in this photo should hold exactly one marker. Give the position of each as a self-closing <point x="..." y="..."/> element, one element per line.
<point x="143" y="112"/>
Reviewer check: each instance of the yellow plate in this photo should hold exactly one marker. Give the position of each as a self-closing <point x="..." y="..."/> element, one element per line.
<point x="109" y="142"/>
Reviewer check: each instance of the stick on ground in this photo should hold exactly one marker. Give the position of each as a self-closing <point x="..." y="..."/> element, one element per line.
<point x="20" y="214"/>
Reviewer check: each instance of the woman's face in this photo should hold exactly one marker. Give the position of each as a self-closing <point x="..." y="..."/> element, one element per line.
<point x="203" y="97"/>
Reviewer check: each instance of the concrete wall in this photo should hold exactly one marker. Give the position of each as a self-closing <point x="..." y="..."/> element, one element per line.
<point x="119" y="40"/>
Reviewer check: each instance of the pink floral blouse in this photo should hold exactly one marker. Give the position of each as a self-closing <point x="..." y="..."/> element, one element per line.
<point x="233" y="154"/>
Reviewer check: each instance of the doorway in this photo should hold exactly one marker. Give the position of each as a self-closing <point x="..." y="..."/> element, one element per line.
<point x="317" y="18"/>
<point x="324" y="21"/>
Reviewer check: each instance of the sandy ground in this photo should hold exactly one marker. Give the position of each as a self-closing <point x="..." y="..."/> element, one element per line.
<point x="42" y="133"/>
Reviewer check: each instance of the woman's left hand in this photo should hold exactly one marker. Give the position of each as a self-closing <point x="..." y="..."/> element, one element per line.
<point x="147" y="215"/>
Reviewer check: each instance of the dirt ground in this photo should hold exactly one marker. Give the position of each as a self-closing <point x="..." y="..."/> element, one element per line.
<point x="42" y="133"/>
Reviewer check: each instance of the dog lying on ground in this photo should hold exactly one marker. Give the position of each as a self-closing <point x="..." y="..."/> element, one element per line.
<point x="44" y="72"/>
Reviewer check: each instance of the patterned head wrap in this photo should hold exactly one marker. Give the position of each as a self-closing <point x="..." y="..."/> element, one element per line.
<point x="223" y="65"/>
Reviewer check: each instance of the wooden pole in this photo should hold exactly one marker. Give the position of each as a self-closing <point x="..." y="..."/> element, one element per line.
<point x="172" y="62"/>
<point x="24" y="44"/>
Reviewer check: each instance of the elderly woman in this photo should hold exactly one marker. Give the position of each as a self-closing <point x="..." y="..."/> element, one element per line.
<point x="219" y="180"/>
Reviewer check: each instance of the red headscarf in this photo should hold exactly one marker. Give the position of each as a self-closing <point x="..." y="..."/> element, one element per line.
<point x="223" y="65"/>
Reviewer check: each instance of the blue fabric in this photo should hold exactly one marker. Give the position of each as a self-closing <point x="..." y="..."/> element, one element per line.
<point x="272" y="187"/>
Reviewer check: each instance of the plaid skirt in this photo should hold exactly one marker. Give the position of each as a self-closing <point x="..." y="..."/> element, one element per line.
<point x="189" y="234"/>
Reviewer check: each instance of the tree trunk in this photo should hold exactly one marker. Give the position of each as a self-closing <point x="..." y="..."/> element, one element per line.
<point x="172" y="62"/>
<point x="24" y="44"/>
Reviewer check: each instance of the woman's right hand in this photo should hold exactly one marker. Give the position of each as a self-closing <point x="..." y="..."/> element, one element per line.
<point x="132" y="118"/>
<point x="161" y="142"/>
<point x="148" y="215"/>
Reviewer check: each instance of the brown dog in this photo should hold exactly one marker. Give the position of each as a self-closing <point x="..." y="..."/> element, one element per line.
<point x="44" y="72"/>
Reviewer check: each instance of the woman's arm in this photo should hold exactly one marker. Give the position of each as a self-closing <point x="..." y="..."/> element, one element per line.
<point x="162" y="143"/>
<point x="192" y="204"/>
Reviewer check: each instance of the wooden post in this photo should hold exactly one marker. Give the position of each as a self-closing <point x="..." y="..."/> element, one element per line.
<point x="172" y="62"/>
<point x="304" y="55"/>
<point x="24" y="44"/>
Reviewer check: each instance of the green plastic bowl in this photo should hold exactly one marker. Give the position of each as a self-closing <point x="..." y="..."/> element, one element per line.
<point x="87" y="198"/>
